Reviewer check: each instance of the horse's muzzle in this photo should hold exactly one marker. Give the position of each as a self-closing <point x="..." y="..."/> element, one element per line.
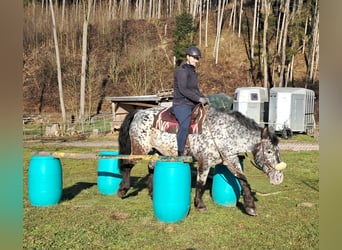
<point x="276" y="177"/>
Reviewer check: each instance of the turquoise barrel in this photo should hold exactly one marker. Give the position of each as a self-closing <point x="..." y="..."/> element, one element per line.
<point x="108" y="173"/>
<point x="171" y="191"/>
<point x="226" y="188"/>
<point x="45" y="181"/>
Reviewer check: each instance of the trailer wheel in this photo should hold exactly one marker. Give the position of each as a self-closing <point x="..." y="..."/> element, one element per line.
<point x="289" y="133"/>
<point x="286" y="133"/>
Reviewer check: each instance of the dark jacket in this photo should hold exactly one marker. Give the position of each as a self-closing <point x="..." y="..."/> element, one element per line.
<point x="185" y="87"/>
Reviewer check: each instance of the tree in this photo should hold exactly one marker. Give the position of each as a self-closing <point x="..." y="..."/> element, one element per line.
<point x="220" y="10"/>
<point x="283" y="42"/>
<point x="266" y="10"/>
<point x="84" y="58"/>
<point x="240" y="17"/>
<point x="254" y="28"/>
<point x="183" y="35"/>
<point x="58" y="62"/>
<point x="314" y="45"/>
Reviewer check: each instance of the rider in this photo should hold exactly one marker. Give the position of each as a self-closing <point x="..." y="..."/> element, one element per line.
<point x="186" y="94"/>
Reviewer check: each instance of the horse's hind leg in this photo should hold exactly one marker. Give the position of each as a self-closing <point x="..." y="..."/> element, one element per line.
<point x="248" y="198"/>
<point x="125" y="169"/>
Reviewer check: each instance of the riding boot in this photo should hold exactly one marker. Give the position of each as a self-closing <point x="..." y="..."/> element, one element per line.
<point x="180" y="153"/>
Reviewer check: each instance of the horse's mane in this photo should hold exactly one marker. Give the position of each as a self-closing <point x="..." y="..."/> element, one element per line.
<point x="247" y="122"/>
<point x="242" y="119"/>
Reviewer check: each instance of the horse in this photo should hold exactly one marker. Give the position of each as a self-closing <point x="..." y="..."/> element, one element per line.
<point x="225" y="135"/>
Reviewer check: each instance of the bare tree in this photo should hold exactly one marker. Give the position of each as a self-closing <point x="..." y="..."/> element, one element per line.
<point x="233" y="16"/>
<point x="266" y="10"/>
<point x="206" y="23"/>
<point x="314" y="44"/>
<point x="254" y="28"/>
<point x="220" y="10"/>
<point x="58" y="62"/>
<point x="283" y="43"/>
<point x="200" y="23"/>
<point x="240" y="17"/>
<point x="63" y="11"/>
<point x="84" y="57"/>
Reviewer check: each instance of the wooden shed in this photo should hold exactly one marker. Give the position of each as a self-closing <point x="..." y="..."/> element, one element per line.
<point x="122" y="105"/>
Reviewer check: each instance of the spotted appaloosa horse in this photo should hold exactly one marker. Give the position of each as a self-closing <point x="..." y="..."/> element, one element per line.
<point x="224" y="135"/>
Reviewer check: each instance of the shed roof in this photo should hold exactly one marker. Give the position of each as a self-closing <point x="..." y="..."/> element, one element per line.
<point x="160" y="96"/>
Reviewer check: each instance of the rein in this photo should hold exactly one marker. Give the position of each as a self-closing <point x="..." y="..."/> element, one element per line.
<point x="266" y="162"/>
<point x="235" y="171"/>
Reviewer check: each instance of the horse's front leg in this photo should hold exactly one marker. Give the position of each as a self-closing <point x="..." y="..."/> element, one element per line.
<point x="125" y="169"/>
<point x="202" y="175"/>
<point x="248" y="198"/>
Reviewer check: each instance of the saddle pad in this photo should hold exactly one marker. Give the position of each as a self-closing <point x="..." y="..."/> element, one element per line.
<point x="166" y="121"/>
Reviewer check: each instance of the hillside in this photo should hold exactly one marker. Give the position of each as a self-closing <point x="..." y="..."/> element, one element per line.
<point x="133" y="57"/>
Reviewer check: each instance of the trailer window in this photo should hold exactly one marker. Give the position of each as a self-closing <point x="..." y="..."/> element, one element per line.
<point x="254" y="96"/>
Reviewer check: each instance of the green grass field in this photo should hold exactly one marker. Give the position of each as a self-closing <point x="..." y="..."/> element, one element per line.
<point x="288" y="214"/>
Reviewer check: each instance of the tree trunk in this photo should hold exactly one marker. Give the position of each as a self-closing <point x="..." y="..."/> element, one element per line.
<point x="200" y="24"/>
<point x="233" y="16"/>
<point x="313" y="50"/>
<point x="317" y="60"/>
<point x="281" y="33"/>
<point x="283" y="53"/>
<point x="206" y="23"/>
<point x="240" y="17"/>
<point x="278" y="31"/>
<point x="305" y="31"/>
<point x="63" y="10"/>
<point x="84" y="59"/>
<point x="58" y="62"/>
<point x="220" y="11"/>
<point x="254" y="27"/>
<point x="266" y="7"/>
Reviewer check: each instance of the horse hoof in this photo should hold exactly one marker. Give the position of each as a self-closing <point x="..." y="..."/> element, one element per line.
<point x="122" y="193"/>
<point x="251" y="211"/>
<point x="202" y="210"/>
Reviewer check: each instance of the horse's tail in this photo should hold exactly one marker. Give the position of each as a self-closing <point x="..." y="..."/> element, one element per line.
<point x="124" y="138"/>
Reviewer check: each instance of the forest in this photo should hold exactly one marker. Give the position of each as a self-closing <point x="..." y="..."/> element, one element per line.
<point x="76" y="52"/>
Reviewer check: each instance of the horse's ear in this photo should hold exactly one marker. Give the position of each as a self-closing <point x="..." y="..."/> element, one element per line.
<point x="265" y="134"/>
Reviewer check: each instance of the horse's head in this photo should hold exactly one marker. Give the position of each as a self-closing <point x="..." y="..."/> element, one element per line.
<point x="267" y="157"/>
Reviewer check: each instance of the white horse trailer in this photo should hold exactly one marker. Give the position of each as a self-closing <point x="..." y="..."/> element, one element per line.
<point x="252" y="102"/>
<point x="291" y="110"/>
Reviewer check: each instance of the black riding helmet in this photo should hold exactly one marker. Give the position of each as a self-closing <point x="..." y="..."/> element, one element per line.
<point x="194" y="52"/>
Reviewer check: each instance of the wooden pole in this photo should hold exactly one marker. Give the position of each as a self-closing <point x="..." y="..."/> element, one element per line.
<point x="81" y="156"/>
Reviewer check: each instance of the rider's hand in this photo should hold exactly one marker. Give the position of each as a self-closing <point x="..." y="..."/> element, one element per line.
<point x="203" y="100"/>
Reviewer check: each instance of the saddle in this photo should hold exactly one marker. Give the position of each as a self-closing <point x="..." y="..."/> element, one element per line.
<point x="166" y="121"/>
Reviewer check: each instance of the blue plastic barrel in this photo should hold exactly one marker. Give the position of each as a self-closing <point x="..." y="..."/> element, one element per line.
<point x="45" y="182"/>
<point x="171" y="191"/>
<point x="108" y="173"/>
<point x="226" y="188"/>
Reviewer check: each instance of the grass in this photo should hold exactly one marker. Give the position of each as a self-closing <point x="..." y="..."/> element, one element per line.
<point x="288" y="214"/>
<point x="303" y="138"/>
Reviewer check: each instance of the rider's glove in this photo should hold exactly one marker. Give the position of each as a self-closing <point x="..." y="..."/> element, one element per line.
<point x="203" y="100"/>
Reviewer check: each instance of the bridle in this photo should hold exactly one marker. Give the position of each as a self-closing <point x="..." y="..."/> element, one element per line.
<point x="266" y="162"/>
<point x="235" y="171"/>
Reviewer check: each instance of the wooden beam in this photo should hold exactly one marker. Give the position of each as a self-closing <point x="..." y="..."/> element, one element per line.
<point x="81" y="156"/>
